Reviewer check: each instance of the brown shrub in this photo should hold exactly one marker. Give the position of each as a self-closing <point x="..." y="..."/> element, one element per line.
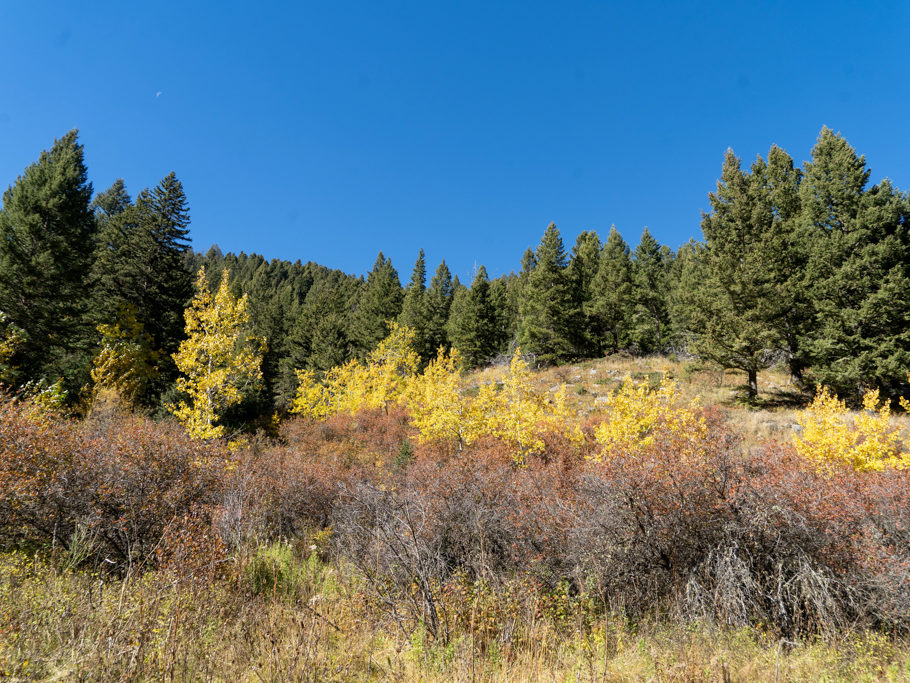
<point x="122" y="483"/>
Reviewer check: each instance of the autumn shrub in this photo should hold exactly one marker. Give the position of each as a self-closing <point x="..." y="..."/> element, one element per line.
<point x="126" y="481"/>
<point x="712" y="532"/>
<point x="279" y="492"/>
<point x="867" y="441"/>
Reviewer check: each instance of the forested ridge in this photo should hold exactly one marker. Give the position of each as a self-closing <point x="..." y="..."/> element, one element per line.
<point x="806" y="267"/>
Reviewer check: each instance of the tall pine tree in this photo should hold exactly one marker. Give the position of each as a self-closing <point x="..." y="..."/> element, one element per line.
<point x="142" y="261"/>
<point x="649" y="276"/>
<point x="734" y="307"/>
<point x="548" y="310"/>
<point x="857" y="273"/>
<point x="379" y="303"/>
<point x="608" y="309"/>
<point x="414" y="309"/>
<point x="438" y="302"/>
<point x="47" y="234"/>
<point x="583" y="266"/>
<point x="474" y="326"/>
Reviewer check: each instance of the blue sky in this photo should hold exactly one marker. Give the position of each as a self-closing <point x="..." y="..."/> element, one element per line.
<point x="328" y="131"/>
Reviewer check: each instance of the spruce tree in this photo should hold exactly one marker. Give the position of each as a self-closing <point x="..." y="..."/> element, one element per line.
<point x="414" y="309"/>
<point x="46" y="240"/>
<point x="142" y="260"/>
<point x="379" y="303"/>
<point x="649" y="277"/>
<point x="734" y="307"/>
<point x="609" y="307"/>
<point x="857" y="272"/>
<point x="113" y="201"/>
<point x="548" y="310"/>
<point x="583" y="266"/>
<point x="438" y="300"/>
<point x="473" y="325"/>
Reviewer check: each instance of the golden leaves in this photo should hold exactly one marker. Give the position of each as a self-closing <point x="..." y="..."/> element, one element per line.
<point x="867" y="443"/>
<point x="218" y="359"/>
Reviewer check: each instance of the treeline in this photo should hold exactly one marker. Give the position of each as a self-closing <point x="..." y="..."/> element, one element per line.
<point x="807" y="267"/>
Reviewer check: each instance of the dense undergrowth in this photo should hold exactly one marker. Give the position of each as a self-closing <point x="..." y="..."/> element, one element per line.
<point x="350" y="548"/>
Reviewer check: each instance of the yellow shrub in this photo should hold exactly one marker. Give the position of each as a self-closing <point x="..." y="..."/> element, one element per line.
<point x="352" y="387"/>
<point x="868" y="444"/>
<point x="312" y="399"/>
<point x="438" y="406"/>
<point x="637" y="413"/>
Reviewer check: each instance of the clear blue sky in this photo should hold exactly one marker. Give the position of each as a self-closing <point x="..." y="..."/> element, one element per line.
<point x="329" y="130"/>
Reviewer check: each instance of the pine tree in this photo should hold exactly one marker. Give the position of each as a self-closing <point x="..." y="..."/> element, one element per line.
<point x="548" y="310"/>
<point x="734" y="307"/>
<point x="438" y="304"/>
<point x="379" y="303"/>
<point x="218" y="358"/>
<point x="609" y="307"/>
<point x="583" y="266"/>
<point x="473" y="324"/>
<point x="649" y="277"/>
<point x="141" y="261"/>
<point x="414" y="310"/>
<point x="857" y="272"/>
<point x="787" y="257"/>
<point x="112" y="202"/>
<point x="46" y="239"/>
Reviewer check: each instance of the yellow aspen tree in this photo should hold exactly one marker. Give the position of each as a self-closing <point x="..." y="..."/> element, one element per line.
<point x="126" y="363"/>
<point x="313" y="398"/>
<point x="438" y="406"/>
<point x="352" y="387"/>
<point x="218" y="359"/>
<point x="12" y="339"/>
<point x="521" y="416"/>
<point x="637" y="413"/>
<point x="829" y="438"/>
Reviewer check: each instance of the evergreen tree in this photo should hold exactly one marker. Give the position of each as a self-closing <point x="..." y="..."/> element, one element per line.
<point x="734" y="307"/>
<point x="379" y="303"/>
<point x="608" y="308"/>
<point x="142" y="260"/>
<point x="46" y="239"/>
<point x="113" y="201"/>
<point x="787" y="257"/>
<point x="583" y="266"/>
<point x="414" y="310"/>
<point x="438" y="301"/>
<point x="506" y="311"/>
<point x="649" y="277"/>
<point x="857" y="272"/>
<point x="473" y="324"/>
<point x="548" y="310"/>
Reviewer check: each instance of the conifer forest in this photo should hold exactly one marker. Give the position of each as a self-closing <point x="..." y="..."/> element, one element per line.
<point x="623" y="460"/>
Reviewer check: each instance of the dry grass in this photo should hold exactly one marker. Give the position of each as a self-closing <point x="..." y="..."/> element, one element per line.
<point x="317" y="624"/>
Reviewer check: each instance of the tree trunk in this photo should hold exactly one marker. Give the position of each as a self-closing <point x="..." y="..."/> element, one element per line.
<point x="753" y="384"/>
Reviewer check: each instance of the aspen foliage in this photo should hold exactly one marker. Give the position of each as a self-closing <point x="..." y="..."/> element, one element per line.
<point x="12" y="338"/>
<point x="515" y="412"/>
<point x="638" y="414"/>
<point x="376" y="384"/>
<point x="866" y="443"/>
<point x="126" y="362"/>
<point x="218" y="359"/>
<point x="438" y="405"/>
<point x="521" y="416"/>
